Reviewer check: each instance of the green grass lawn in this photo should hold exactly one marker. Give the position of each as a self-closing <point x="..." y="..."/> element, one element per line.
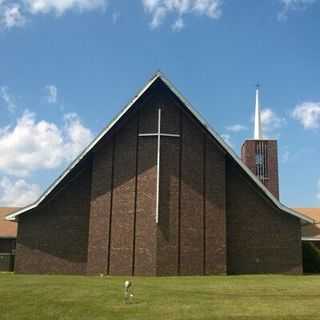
<point x="220" y="297"/>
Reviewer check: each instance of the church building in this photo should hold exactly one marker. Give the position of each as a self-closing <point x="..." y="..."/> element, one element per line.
<point x="159" y="192"/>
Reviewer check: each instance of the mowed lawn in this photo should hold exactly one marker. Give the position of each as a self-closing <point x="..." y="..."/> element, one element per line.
<point x="217" y="297"/>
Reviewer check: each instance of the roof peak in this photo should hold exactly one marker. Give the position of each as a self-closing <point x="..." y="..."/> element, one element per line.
<point x="189" y="107"/>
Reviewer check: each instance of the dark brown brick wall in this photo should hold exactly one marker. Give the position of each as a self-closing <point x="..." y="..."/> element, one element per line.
<point x="145" y="227"/>
<point x="123" y="200"/>
<point x="192" y="228"/>
<point x="248" y="156"/>
<point x="260" y="238"/>
<point x="215" y="209"/>
<point x="179" y="244"/>
<point x="100" y="210"/>
<point x="123" y="194"/>
<point x="212" y="219"/>
<point x="168" y="238"/>
<point x="54" y="237"/>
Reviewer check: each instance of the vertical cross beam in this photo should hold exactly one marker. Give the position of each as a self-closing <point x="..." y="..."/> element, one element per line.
<point x="158" y="134"/>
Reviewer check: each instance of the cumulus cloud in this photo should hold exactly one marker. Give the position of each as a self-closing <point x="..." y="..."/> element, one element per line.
<point x="59" y="7"/>
<point x="15" y="13"/>
<point x="308" y="114"/>
<point x="293" y="5"/>
<point x="11" y="15"/>
<point x="76" y="136"/>
<point x="236" y="128"/>
<point x="34" y="145"/>
<point x="296" y="4"/>
<point x="17" y="192"/>
<point x="270" y="121"/>
<point x="8" y="99"/>
<point x="52" y="93"/>
<point x="159" y="9"/>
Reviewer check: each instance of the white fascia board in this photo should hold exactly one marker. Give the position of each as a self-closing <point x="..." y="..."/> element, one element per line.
<point x="310" y="239"/>
<point x="198" y="117"/>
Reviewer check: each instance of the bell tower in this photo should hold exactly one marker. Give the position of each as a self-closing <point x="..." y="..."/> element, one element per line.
<point x="261" y="155"/>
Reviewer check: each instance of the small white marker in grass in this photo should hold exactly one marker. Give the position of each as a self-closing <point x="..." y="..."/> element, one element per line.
<point x="127" y="291"/>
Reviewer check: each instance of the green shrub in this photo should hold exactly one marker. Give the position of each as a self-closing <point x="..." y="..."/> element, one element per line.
<point x="311" y="257"/>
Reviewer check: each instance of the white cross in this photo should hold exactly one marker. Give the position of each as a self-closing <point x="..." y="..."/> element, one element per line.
<point x="158" y="134"/>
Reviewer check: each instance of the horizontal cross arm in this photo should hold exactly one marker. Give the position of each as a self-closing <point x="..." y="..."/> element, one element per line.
<point x="160" y="134"/>
<point x="170" y="135"/>
<point x="148" y="134"/>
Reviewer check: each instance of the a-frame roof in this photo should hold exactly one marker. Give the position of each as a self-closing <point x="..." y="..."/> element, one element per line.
<point x="160" y="76"/>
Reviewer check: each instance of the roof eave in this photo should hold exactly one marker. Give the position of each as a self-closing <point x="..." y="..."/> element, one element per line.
<point x="310" y="239"/>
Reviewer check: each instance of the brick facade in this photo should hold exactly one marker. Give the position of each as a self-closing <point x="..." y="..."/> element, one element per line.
<point x="54" y="238"/>
<point x="260" y="238"/>
<point x="211" y="219"/>
<point x="269" y="149"/>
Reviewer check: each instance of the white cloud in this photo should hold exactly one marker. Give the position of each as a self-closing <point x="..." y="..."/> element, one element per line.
<point x="76" y="136"/>
<point x="11" y="15"/>
<point x="32" y="145"/>
<point x="308" y="114"/>
<point x="227" y="138"/>
<point x="8" y="99"/>
<point x="159" y="9"/>
<point x="270" y="121"/>
<point x="17" y="193"/>
<point x="293" y="5"/>
<point x="52" y="93"/>
<point x="59" y="7"/>
<point x="296" y="4"/>
<point x="14" y="13"/>
<point x="236" y="128"/>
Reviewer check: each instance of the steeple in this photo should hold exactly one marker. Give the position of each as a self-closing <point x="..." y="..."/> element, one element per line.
<point x="261" y="155"/>
<point x="257" y="119"/>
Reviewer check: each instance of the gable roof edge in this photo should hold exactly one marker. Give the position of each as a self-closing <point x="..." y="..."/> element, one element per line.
<point x="85" y="151"/>
<point x="197" y="116"/>
<point x="229" y="150"/>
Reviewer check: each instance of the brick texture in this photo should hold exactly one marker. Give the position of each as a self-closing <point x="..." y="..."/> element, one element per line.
<point x="123" y="200"/>
<point x="215" y="209"/>
<point x="145" y="228"/>
<point x="260" y="238"/>
<point x="167" y="237"/>
<point x="54" y="238"/>
<point x="248" y="156"/>
<point x="191" y="225"/>
<point x="100" y="209"/>
<point x="212" y="219"/>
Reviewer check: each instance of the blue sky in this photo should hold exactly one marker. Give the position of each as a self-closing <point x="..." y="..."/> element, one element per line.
<point x="68" y="66"/>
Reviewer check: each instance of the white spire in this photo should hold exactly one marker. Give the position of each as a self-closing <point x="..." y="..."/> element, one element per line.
<point x="257" y="119"/>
